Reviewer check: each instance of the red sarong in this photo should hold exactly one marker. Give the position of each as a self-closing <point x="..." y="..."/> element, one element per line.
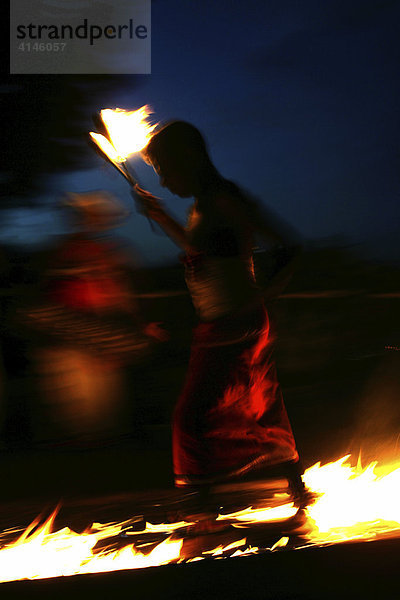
<point x="230" y="416"/>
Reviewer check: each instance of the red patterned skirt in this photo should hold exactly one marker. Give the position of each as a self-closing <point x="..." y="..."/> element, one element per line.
<point x="230" y="417"/>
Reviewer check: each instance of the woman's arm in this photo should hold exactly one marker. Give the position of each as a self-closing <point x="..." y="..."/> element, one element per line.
<point x="243" y="212"/>
<point x="150" y="206"/>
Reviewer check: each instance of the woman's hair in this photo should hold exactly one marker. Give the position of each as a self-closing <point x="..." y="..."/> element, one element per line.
<point x="174" y="141"/>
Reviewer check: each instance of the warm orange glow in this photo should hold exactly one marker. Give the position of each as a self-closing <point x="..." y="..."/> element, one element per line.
<point x="245" y="517"/>
<point x="354" y="503"/>
<point x="45" y="554"/>
<point x="106" y="147"/>
<point x="128" y="132"/>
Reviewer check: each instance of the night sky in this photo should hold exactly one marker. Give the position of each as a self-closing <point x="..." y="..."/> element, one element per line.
<point x="299" y="103"/>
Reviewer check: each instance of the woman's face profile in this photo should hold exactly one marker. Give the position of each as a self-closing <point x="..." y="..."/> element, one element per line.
<point x="177" y="177"/>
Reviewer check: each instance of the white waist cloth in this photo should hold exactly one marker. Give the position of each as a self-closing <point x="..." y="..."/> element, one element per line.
<point x="220" y="285"/>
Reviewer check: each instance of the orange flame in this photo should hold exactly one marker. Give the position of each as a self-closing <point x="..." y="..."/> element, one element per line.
<point x="353" y="503"/>
<point x="45" y="554"/>
<point x="128" y="132"/>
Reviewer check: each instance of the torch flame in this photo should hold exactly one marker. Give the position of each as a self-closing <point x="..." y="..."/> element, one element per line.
<point x="128" y="132"/>
<point x="106" y="147"/>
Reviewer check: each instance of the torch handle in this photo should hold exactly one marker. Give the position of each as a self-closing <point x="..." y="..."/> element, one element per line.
<point x="123" y="169"/>
<point x="127" y="174"/>
<point x="132" y="178"/>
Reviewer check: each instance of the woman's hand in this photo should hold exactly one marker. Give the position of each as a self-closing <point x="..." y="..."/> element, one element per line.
<point x="147" y="204"/>
<point x="151" y="207"/>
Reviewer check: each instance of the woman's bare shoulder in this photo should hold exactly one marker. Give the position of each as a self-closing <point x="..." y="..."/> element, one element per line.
<point x="235" y="204"/>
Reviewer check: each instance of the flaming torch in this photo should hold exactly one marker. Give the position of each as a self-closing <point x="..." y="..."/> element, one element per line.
<point x="127" y="132"/>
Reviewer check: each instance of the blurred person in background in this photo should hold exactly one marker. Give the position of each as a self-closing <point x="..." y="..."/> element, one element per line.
<point x="91" y="328"/>
<point x="230" y="420"/>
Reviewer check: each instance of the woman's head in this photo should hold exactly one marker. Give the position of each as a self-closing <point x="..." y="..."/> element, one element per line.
<point x="179" y="155"/>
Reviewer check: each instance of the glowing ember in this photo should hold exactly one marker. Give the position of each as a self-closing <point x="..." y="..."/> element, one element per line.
<point x="128" y="132"/>
<point x="353" y="503"/>
<point x="260" y="515"/>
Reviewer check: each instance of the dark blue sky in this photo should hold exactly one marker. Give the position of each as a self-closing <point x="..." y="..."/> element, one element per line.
<point x="299" y="102"/>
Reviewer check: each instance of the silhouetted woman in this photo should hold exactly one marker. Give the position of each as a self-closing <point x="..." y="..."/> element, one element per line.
<point x="230" y="418"/>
